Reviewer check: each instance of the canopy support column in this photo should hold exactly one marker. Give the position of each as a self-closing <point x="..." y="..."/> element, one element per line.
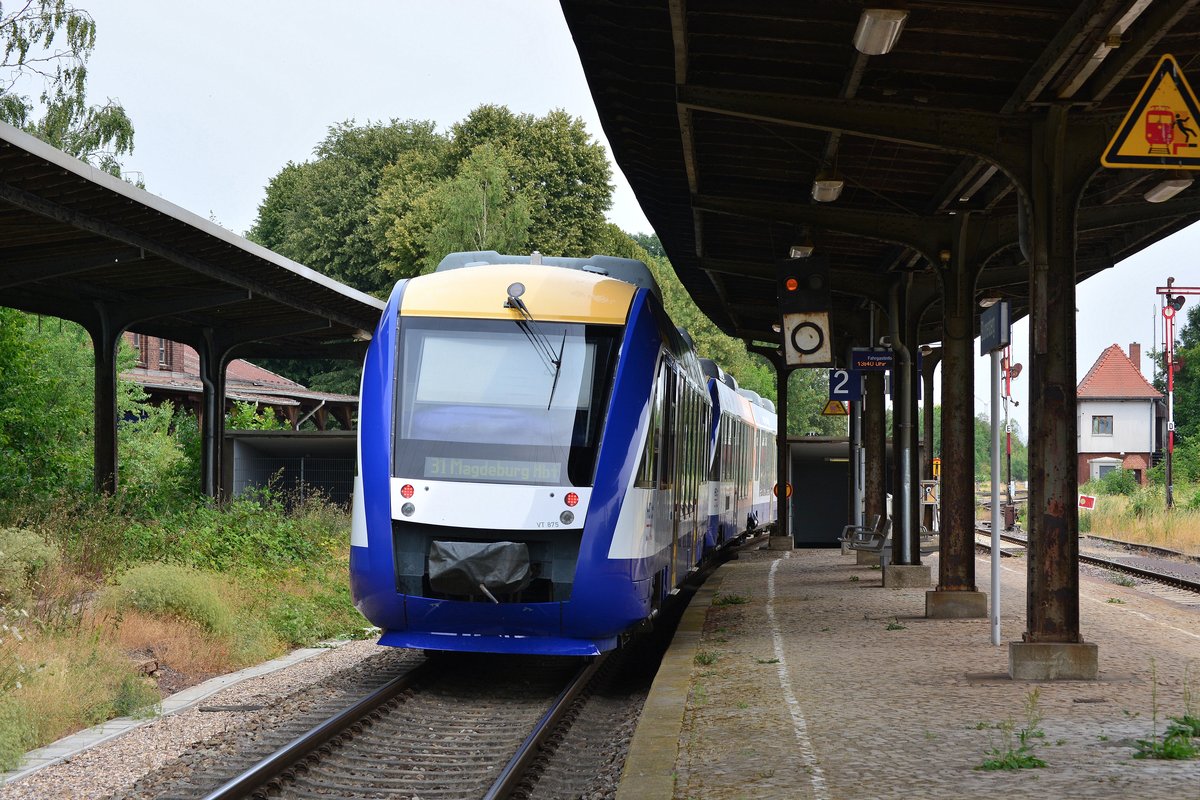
<point x="214" y="358"/>
<point x="1052" y="647"/>
<point x="956" y="595"/>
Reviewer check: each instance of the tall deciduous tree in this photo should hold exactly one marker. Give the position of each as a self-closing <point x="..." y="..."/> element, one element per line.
<point x="556" y="164"/>
<point x="319" y="212"/>
<point x="49" y="42"/>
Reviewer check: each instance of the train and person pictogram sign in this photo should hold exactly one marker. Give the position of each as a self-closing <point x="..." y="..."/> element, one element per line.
<point x="1162" y="128"/>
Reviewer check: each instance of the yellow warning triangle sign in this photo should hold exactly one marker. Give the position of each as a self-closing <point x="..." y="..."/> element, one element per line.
<point x="1162" y="128"/>
<point x="834" y="408"/>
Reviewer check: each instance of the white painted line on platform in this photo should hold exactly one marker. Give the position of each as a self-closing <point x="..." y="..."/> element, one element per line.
<point x="799" y="726"/>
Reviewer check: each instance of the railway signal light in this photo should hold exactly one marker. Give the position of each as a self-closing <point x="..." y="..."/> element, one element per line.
<point x="804" y="284"/>
<point x="1175" y="302"/>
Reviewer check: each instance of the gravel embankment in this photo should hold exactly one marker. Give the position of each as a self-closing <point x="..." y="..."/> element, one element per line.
<point x="112" y="768"/>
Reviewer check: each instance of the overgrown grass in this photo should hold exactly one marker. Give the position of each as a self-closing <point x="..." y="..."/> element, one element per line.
<point x="1018" y="754"/>
<point x="1176" y="742"/>
<point x="1142" y="517"/>
<point x="89" y="586"/>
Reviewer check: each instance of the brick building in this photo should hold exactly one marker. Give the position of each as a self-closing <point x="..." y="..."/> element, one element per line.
<point x="170" y="372"/>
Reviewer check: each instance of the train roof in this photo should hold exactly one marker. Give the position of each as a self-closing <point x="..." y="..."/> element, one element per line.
<point x="629" y="270"/>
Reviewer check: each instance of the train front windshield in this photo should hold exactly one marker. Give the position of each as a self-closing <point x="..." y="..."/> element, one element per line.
<point x="497" y="401"/>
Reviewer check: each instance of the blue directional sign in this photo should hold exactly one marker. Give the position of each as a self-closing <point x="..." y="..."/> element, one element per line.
<point x="845" y="384"/>
<point x="995" y="328"/>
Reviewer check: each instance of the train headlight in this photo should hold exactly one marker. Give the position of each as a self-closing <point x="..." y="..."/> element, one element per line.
<point x="406" y="491"/>
<point x="408" y="509"/>
<point x="566" y="518"/>
<point x="571" y="499"/>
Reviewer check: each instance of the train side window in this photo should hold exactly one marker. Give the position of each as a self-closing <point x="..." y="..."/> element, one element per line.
<point x="669" y="432"/>
<point x="647" y="474"/>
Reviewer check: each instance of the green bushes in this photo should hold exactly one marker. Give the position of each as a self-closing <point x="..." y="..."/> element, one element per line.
<point x="23" y="556"/>
<point x="170" y="590"/>
<point x="1118" y="481"/>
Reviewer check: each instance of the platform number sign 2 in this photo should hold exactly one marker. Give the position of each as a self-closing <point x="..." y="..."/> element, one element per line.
<point x="845" y="384"/>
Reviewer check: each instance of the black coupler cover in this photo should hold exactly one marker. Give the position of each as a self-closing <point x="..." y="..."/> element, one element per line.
<point x="460" y="567"/>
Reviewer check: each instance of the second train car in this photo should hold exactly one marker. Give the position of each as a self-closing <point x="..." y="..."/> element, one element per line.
<point x="542" y="457"/>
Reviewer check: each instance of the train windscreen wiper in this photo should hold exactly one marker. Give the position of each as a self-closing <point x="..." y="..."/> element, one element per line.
<point x="541" y="342"/>
<point x="557" y="369"/>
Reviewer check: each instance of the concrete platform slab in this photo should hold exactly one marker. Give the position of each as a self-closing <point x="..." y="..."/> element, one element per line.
<point x="1053" y="661"/>
<point x="866" y="559"/>
<point x="781" y="543"/>
<point x="956" y="605"/>
<point x="907" y="576"/>
<point x="824" y="687"/>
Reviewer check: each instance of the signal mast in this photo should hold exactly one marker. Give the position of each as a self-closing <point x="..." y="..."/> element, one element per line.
<point x="1172" y="301"/>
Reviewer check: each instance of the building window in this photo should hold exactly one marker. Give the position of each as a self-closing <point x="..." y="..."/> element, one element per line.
<point x="139" y="348"/>
<point x="164" y="354"/>
<point x="1102" y="426"/>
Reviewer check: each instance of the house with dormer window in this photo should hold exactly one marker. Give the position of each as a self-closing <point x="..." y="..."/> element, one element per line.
<point x="1120" y="416"/>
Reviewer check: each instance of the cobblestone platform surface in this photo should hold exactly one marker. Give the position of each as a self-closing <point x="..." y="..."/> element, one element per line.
<point x="796" y="675"/>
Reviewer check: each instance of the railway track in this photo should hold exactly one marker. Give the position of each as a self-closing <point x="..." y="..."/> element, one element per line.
<point x="446" y="726"/>
<point x="1166" y="571"/>
<point x="456" y="727"/>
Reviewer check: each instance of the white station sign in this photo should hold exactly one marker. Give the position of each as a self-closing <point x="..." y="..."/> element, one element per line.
<point x="806" y="339"/>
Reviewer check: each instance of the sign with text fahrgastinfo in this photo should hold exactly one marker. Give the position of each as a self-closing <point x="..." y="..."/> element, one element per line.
<point x="868" y="359"/>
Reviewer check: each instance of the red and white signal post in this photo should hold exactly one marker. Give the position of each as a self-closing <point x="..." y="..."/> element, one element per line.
<point x="1172" y="301"/>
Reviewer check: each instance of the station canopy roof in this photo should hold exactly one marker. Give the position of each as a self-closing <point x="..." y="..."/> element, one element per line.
<point x="723" y="113"/>
<point x="80" y="244"/>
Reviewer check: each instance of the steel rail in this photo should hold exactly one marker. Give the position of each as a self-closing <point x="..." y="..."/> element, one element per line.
<point x="510" y="777"/>
<point x="289" y="755"/>
<point x="1116" y="566"/>
<point x="1146" y="548"/>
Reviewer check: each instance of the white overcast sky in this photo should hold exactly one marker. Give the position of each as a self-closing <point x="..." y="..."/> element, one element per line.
<point x="223" y="95"/>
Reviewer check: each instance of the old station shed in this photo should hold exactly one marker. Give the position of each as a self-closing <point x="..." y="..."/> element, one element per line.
<point x="935" y="154"/>
<point x="79" y="244"/>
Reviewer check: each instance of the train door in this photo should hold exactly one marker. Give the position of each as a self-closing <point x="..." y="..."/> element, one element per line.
<point x="666" y="511"/>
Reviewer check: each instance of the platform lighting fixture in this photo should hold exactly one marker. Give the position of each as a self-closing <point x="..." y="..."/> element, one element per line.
<point x="1172" y="185"/>
<point x="802" y="250"/>
<point x="827" y="187"/>
<point x="878" y="30"/>
<point x="988" y="302"/>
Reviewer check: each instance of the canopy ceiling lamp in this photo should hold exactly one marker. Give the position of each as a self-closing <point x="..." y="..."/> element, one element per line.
<point x="1174" y="183"/>
<point x="802" y="250"/>
<point x="878" y="30"/>
<point x="827" y="187"/>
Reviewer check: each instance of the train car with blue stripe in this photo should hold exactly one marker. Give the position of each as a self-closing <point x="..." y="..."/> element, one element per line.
<point x="534" y="444"/>
<point x="742" y="471"/>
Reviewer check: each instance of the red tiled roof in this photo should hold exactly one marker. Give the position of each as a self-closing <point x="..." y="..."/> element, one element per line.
<point x="243" y="380"/>
<point x="1115" y="376"/>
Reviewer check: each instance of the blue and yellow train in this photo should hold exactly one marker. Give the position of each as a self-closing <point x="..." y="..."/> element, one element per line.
<point x="542" y="458"/>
